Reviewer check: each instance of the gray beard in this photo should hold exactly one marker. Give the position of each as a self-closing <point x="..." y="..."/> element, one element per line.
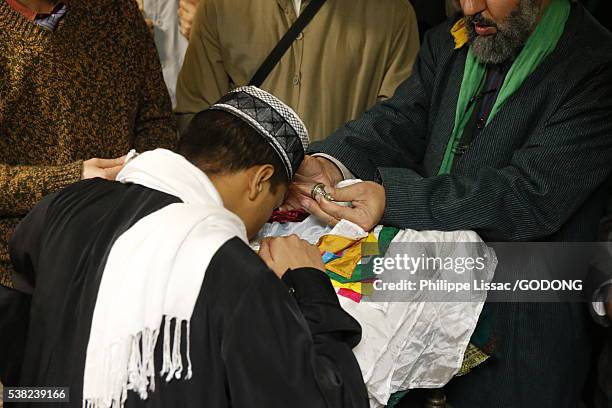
<point x="511" y="35"/>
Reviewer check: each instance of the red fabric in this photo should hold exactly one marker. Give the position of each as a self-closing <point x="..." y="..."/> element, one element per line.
<point x="289" y="216"/>
<point x="347" y="293"/>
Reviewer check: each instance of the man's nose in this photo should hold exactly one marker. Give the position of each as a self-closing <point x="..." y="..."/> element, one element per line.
<point x="473" y="7"/>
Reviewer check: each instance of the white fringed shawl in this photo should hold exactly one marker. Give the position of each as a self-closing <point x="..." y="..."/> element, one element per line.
<point x="153" y="274"/>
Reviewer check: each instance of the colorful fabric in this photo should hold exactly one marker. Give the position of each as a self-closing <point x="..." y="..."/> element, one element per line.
<point x="540" y="44"/>
<point x="347" y="250"/>
<point x="342" y="257"/>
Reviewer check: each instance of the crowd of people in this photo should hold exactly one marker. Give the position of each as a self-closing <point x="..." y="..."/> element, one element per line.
<point x="144" y="144"/>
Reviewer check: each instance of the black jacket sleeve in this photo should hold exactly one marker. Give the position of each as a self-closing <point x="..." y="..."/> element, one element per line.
<point x="15" y="303"/>
<point x="290" y="345"/>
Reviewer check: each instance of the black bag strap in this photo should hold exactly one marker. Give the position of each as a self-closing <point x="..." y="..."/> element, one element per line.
<point x="283" y="45"/>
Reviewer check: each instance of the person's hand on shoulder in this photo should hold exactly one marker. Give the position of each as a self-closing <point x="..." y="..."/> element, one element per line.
<point x="102" y="168"/>
<point x="284" y="253"/>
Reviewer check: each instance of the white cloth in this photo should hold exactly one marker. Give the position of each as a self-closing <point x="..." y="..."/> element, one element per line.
<point x="170" y="43"/>
<point x="297" y="5"/>
<point x="419" y="344"/>
<point x="153" y="274"/>
<point x="407" y="345"/>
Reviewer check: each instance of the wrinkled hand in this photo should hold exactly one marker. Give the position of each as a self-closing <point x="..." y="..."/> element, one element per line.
<point x="284" y="253"/>
<point x="368" y="205"/>
<point x="312" y="171"/>
<point x="103" y="168"/>
<point x="186" y="13"/>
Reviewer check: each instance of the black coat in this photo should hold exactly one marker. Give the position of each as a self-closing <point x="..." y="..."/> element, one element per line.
<point x="256" y="341"/>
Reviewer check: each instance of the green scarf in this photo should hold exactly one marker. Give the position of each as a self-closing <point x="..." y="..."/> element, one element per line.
<point x="541" y="43"/>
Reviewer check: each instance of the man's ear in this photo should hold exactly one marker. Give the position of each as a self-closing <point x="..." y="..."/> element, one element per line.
<point x="258" y="176"/>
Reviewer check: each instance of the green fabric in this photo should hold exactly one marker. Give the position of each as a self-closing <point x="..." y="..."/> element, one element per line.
<point x="539" y="45"/>
<point x="396" y="398"/>
<point x="385" y="237"/>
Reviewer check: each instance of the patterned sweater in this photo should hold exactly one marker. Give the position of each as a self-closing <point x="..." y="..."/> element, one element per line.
<point x="92" y="88"/>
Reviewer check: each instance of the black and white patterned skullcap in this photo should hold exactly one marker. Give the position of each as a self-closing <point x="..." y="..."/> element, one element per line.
<point x="273" y="120"/>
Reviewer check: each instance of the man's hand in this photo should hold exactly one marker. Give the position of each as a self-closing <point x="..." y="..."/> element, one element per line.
<point x="368" y="205"/>
<point x="312" y="171"/>
<point x="103" y="168"/>
<point x="284" y="253"/>
<point x="186" y="13"/>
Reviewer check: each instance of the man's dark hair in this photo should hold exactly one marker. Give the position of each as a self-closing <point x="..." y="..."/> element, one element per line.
<point x="218" y="142"/>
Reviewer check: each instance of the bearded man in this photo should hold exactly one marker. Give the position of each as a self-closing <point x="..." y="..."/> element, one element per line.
<point x="505" y="128"/>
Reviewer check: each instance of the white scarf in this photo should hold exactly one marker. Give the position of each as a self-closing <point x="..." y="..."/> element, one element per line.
<point x="153" y="274"/>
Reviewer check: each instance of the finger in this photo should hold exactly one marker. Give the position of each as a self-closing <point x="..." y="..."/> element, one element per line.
<point x="312" y="207"/>
<point x="111" y="173"/>
<point x="353" y="192"/>
<point x="303" y="189"/>
<point x="109" y="163"/>
<point x="264" y="251"/>
<point x="337" y="211"/>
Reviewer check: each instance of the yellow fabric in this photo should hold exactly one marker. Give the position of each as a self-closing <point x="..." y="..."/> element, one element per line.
<point x="460" y="33"/>
<point x="353" y="54"/>
<point x="345" y="265"/>
<point x="472" y="358"/>
<point x="334" y="243"/>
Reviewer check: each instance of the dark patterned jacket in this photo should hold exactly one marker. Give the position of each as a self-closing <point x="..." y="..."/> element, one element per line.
<point x="536" y="172"/>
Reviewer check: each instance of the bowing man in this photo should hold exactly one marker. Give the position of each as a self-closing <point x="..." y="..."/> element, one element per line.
<point x="145" y="292"/>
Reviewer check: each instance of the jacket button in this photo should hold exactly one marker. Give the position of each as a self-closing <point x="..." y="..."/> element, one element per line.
<point x="292" y="291"/>
<point x="481" y="123"/>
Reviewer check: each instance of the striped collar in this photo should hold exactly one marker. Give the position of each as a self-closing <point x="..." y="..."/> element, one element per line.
<point x="46" y="20"/>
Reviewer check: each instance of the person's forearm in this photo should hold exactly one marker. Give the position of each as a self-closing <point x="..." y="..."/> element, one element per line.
<point x="21" y="187"/>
